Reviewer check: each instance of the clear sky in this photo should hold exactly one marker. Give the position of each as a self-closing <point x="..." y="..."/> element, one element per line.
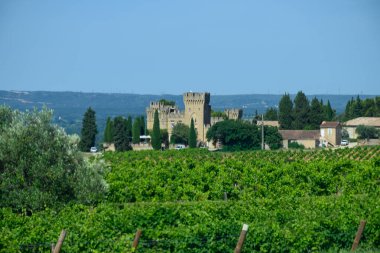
<point x="169" y="47"/>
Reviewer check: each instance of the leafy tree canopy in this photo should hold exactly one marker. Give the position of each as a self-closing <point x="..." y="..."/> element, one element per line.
<point x="367" y="132"/>
<point x="235" y="135"/>
<point x="180" y="134"/>
<point x="167" y="102"/>
<point x="272" y="137"/>
<point x="218" y="114"/>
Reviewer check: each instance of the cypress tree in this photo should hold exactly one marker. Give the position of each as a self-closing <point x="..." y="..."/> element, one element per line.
<point x="142" y="125"/>
<point x="136" y="131"/>
<point x="108" y="131"/>
<point x="357" y="108"/>
<point x="156" y="133"/>
<point x="285" y="112"/>
<point x="329" y="112"/>
<point x="128" y="126"/>
<point x="348" y="110"/>
<point x="89" y="131"/>
<point x="192" y="135"/>
<point x="316" y="113"/>
<point x="121" y="139"/>
<point x="301" y="111"/>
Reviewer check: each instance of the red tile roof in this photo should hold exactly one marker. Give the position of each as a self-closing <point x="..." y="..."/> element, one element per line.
<point x="300" y="134"/>
<point x="367" y="121"/>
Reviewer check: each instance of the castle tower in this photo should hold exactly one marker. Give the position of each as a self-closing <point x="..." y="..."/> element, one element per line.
<point x="197" y="107"/>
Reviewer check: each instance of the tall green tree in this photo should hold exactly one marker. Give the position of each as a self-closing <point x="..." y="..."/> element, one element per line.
<point x="329" y="112"/>
<point x="128" y="126"/>
<point x="285" y="112"/>
<point x="316" y="113"/>
<point x="165" y="137"/>
<point x="108" y="131"/>
<point x="142" y="125"/>
<point x="156" y="133"/>
<point x="272" y="137"/>
<point x="180" y="134"/>
<point x="357" y="108"/>
<point x="301" y="111"/>
<point x="136" y="131"/>
<point x="271" y="114"/>
<point x="89" y="130"/>
<point x="192" y="135"/>
<point x="121" y="139"/>
<point x="348" y="112"/>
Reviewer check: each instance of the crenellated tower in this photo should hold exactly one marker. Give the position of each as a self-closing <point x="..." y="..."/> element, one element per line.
<point x="197" y="107"/>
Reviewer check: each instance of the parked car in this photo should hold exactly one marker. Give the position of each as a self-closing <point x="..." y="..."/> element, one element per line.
<point x="344" y="142"/>
<point x="93" y="150"/>
<point x="179" y="146"/>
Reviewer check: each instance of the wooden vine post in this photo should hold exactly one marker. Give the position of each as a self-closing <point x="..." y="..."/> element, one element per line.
<point x="136" y="240"/>
<point x="242" y="236"/>
<point x="59" y="243"/>
<point x="358" y="235"/>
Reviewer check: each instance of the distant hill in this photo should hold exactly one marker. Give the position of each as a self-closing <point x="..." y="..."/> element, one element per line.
<point x="69" y="107"/>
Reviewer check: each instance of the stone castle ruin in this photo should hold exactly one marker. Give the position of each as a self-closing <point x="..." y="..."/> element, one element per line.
<point x="197" y="107"/>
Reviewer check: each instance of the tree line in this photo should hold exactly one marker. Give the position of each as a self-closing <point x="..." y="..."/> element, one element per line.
<point x="297" y="114"/>
<point x="369" y="107"/>
<point x="124" y="131"/>
<point x="119" y="130"/>
<point x="300" y="114"/>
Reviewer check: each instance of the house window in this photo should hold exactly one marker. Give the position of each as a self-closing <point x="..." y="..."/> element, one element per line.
<point x="329" y="131"/>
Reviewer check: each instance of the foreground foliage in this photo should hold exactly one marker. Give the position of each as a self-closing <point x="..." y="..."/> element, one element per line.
<point x="41" y="166"/>
<point x="292" y="201"/>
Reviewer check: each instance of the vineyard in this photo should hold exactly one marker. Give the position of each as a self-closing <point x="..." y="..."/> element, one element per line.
<point x="197" y="201"/>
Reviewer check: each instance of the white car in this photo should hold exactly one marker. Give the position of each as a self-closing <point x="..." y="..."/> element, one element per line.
<point x="93" y="150"/>
<point x="344" y="142"/>
<point x="179" y="146"/>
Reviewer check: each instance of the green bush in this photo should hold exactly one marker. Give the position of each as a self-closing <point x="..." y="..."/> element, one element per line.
<point x="295" y="145"/>
<point x="40" y="166"/>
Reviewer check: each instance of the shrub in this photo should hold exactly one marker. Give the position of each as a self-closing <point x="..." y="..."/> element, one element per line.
<point x="296" y="145"/>
<point x="40" y="165"/>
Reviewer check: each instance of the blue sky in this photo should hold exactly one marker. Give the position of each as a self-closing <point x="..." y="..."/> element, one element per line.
<point x="169" y="47"/>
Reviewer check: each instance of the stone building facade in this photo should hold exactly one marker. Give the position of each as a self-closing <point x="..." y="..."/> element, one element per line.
<point x="197" y="107"/>
<point x="331" y="133"/>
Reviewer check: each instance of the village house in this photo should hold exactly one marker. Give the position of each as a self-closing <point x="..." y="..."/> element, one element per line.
<point x="351" y="125"/>
<point x="331" y="133"/>
<point x="307" y="138"/>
